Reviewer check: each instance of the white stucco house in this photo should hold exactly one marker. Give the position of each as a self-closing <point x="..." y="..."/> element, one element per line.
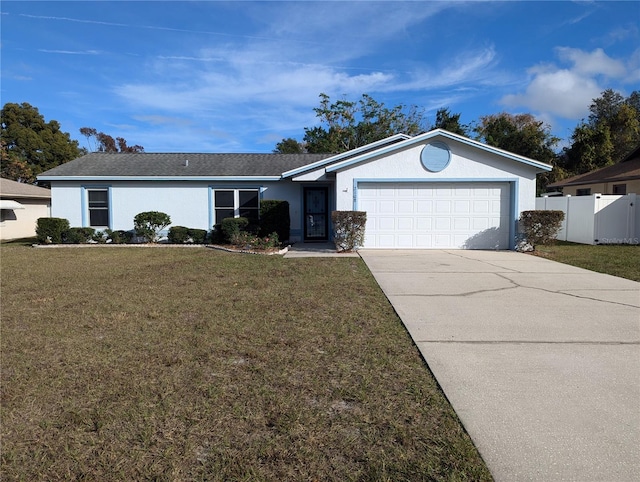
<point x="21" y="205"/>
<point x="435" y="190"/>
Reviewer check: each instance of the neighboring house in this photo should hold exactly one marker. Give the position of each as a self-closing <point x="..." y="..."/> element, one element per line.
<point x="435" y="190"/>
<point x="20" y="207"/>
<point x="621" y="178"/>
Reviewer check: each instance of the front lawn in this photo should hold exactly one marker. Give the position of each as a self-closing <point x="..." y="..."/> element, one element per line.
<point x="617" y="260"/>
<point x="194" y="364"/>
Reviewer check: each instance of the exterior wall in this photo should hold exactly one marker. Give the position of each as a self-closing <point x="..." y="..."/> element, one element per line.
<point x="633" y="186"/>
<point x="188" y="203"/>
<point x="467" y="164"/>
<point x="21" y="223"/>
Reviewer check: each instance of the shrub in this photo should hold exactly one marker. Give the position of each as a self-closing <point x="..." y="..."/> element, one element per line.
<point x="149" y="224"/>
<point x="540" y="227"/>
<point x="119" y="237"/>
<point x="50" y="230"/>
<point x="182" y="235"/>
<point x="274" y="217"/>
<point x="178" y="234"/>
<point x="267" y="242"/>
<point x="198" y="236"/>
<point x="78" y="235"/>
<point x="231" y="228"/>
<point x="348" y="229"/>
<point x="100" y="237"/>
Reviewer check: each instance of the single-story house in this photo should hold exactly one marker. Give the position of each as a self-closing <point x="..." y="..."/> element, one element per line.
<point x="621" y="178"/>
<point x="434" y="190"/>
<point x="20" y="207"/>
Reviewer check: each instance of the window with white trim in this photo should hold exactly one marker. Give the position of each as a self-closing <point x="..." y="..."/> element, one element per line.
<point x="98" y="206"/>
<point x="234" y="203"/>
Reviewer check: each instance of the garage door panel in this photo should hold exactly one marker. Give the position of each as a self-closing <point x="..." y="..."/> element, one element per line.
<point x="434" y="215"/>
<point x="481" y="207"/>
<point x="461" y="224"/>
<point x="405" y="207"/>
<point x="405" y="224"/>
<point x="424" y="207"/>
<point x="386" y="207"/>
<point x="443" y="207"/>
<point x="462" y="207"/>
<point x="386" y="224"/>
<point x="424" y="224"/>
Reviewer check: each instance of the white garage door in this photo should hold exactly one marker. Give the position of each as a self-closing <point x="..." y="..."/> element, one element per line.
<point x="436" y="215"/>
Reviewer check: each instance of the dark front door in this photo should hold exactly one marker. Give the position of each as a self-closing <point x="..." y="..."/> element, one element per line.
<point x="316" y="221"/>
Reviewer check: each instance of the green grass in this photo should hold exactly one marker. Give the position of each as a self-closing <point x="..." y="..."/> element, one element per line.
<point x="192" y="364"/>
<point x="616" y="260"/>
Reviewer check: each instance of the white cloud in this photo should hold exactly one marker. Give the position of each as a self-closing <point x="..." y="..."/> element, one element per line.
<point x="567" y="92"/>
<point x="592" y="63"/>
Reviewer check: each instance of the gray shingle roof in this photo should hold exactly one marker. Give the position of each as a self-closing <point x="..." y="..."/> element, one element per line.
<point x="13" y="189"/>
<point x="174" y="165"/>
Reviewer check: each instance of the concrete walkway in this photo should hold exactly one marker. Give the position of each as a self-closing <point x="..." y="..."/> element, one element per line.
<point x="540" y="360"/>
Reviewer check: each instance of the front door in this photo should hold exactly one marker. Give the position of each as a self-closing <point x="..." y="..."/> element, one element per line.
<point x="316" y="220"/>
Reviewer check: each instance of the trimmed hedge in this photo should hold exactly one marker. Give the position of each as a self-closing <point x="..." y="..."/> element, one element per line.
<point x="182" y="235"/>
<point x="51" y="230"/>
<point x="274" y="217"/>
<point x="541" y="227"/>
<point x="120" y="236"/>
<point x="348" y="229"/>
<point x="78" y="235"/>
<point x="231" y="228"/>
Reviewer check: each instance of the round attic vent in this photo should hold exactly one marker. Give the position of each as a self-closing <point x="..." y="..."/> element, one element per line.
<point x="435" y="156"/>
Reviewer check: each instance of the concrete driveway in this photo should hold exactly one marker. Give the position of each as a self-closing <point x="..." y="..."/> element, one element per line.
<point x="540" y="360"/>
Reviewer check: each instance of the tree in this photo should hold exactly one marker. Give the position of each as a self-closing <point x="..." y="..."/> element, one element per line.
<point x="289" y="146"/>
<point x="345" y="125"/>
<point x="523" y="134"/>
<point x="591" y="148"/>
<point x="30" y="145"/>
<point x="450" y="122"/>
<point x="621" y="116"/>
<point x="611" y="132"/>
<point x="105" y="143"/>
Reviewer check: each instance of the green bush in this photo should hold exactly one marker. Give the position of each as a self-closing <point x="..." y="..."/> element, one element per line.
<point x="182" y="235"/>
<point x="178" y="234"/>
<point x="198" y="236"/>
<point x="541" y="227"/>
<point x="274" y="217"/>
<point x="119" y="237"/>
<point x="50" y="230"/>
<point x="231" y="229"/>
<point x="78" y="235"/>
<point x="348" y="229"/>
<point x="149" y="224"/>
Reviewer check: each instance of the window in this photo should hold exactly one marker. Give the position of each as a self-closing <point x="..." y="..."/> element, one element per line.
<point x="234" y="203"/>
<point x="619" y="189"/>
<point x="98" y="202"/>
<point x="583" y="192"/>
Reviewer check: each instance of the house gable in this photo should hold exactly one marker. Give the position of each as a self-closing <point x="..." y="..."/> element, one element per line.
<point x="434" y="135"/>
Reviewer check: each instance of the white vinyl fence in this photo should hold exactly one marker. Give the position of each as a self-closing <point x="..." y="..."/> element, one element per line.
<point x="596" y="219"/>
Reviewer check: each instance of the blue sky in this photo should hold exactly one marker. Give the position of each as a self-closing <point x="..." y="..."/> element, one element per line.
<point x="177" y="76"/>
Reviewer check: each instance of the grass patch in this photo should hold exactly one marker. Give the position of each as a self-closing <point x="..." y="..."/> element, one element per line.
<point x="616" y="260"/>
<point x="192" y="364"/>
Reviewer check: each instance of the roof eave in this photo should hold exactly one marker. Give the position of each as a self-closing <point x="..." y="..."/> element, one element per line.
<point x="337" y="157"/>
<point x="160" y="178"/>
<point x="594" y="181"/>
